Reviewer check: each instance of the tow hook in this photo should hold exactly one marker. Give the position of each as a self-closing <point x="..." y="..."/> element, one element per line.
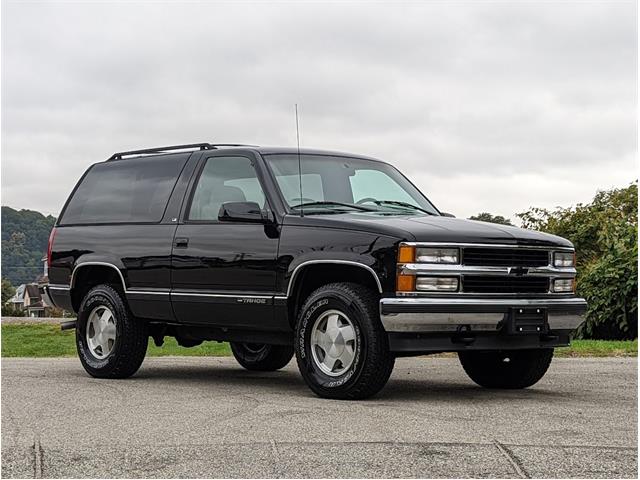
<point x="464" y="335"/>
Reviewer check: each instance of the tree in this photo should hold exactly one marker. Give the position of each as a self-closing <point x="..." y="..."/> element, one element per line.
<point x="605" y="235"/>
<point x="25" y="235"/>
<point x="7" y="291"/>
<point x="487" y="217"/>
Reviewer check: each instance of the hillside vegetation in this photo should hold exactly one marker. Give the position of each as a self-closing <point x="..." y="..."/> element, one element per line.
<point x="25" y="234"/>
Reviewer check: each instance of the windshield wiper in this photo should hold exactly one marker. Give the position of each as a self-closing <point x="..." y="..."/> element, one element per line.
<point x="402" y="204"/>
<point x="335" y="204"/>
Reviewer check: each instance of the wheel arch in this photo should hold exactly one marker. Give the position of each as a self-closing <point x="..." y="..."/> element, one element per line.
<point x="311" y="274"/>
<point x="86" y="275"/>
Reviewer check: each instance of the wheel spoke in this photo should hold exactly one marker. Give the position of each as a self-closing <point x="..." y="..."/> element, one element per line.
<point x="332" y="325"/>
<point x="329" y="361"/>
<point x="109" y="331"/>
<point x="320" y="338"/>
<point x="105" y="317"/>
<point x="348" y="334"/>
<point x="104" y="344"/>
<point x="346" y="357"/>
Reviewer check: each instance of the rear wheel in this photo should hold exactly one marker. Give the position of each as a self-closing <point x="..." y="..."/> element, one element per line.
<point x="506" y="369"/>
<point x="110" y="342"/>
<point x="262" y="357"/>
<point x="341" y="347"/>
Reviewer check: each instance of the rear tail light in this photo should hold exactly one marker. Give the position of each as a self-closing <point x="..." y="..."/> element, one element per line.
<point x="52" y="237"/>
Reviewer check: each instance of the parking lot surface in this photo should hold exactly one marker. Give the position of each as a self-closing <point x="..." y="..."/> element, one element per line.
<point x="207" y="417"/>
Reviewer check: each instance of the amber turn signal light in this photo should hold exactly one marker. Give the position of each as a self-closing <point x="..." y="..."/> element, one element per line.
<point x="406" y="254"/>
<point x="405" y="283"/>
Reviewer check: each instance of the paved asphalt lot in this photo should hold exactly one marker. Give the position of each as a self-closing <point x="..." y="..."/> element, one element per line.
<point x="206" y="417"/>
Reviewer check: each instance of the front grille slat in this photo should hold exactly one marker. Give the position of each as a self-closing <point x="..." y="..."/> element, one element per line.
<point x="504" y="257"/>
<point x="504" y="284"/>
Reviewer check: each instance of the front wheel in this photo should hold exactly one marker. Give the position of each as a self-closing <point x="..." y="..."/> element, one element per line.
<point x="506" y="369"/>
<point x="111" y="343"/>
<point x="341" y="347"/>
<point x="261" y="357"/>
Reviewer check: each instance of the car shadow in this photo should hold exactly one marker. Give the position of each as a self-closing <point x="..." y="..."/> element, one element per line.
<point x="290" y="382"/>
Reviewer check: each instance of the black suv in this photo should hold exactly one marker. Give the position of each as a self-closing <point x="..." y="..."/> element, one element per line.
<point x="337" y="258"/>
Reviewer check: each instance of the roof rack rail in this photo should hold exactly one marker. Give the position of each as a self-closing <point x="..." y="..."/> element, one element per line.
<point x="199" y="146"/>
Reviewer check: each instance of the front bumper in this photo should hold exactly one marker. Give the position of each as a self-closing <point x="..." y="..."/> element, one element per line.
<point x="412" y="314"/>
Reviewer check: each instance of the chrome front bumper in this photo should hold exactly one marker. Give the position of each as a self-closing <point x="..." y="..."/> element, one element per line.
<point x="413" y="314"/>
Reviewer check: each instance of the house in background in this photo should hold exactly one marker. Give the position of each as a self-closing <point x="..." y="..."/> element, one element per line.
<point x="17" y="301"/>
<point x="32" y="301"/>
<point x="29" y="297"/>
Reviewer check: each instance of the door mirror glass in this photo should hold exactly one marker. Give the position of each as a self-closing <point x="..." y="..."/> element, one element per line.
<point x="241" y="212"/>
<point x="445" y="214"/>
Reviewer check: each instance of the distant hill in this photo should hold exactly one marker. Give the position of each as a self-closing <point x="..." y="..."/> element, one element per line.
<point x="25" y="234"/>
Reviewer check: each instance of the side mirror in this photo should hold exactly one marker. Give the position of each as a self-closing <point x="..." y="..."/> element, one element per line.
<point x="249" y="212"/>
<point x="445" y="214"/>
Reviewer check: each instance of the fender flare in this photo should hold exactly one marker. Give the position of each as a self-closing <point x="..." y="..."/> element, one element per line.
<point x="298" y="268"/>
<point x="103" y="264"/>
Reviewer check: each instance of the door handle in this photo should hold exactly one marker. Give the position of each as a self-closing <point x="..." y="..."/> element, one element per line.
<point x="180" y="242"/>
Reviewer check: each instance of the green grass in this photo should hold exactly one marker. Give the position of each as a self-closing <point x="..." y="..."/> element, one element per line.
<point x="599" y="348"/>
<point x="47" y="340"/>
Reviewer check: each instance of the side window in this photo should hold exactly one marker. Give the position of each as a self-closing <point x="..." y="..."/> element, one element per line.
<point x="132" y="190"/>
<point x="224" y="179"/>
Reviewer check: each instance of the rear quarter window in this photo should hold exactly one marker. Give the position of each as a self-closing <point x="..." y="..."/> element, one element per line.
<point x="125" y="191"/>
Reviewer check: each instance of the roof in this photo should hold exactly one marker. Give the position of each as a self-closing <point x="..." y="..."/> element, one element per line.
<point x="33" y="291"/>
<point x="263" y="150"/>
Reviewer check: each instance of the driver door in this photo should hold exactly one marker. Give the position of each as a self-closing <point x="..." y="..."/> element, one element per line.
<point x="223" y="273"/>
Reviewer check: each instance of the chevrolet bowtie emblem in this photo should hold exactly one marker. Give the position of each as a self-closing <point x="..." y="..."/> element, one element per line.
<point x="517" y="271"/>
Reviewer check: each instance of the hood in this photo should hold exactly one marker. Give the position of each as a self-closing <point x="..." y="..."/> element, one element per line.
<point x="427" y="228"/>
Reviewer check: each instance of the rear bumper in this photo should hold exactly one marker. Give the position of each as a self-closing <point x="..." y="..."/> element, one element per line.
<point x="442" y="315"/>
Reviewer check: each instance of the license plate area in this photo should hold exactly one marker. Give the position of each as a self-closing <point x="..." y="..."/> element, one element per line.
<point x="525" y="321"/>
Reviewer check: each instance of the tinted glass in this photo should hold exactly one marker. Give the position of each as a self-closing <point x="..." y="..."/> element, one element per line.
<point x="130" y="190"/>
<point x="341" y="183"/>
<point x="224" y="179"/>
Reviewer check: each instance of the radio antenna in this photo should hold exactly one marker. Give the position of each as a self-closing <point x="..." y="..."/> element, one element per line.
<point x="299" y="162"/>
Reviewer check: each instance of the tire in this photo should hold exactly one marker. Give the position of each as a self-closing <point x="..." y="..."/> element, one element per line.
<point x="352" y="311"/>
<point x="262" y="357"/>
<point x="490" y="369"/>
<point x="124" y="353"/>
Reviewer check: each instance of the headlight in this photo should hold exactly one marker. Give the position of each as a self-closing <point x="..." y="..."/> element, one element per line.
<point x="437" y="284"/>
<point x="563" y="285"/>
<point x="564" y="259"/>
<point x="437" y="255"/>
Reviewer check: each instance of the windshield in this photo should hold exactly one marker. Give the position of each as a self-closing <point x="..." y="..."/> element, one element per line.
<point x="340" y="184"/>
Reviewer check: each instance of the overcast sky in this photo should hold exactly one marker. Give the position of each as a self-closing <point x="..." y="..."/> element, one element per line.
<point x="486" y="106"/>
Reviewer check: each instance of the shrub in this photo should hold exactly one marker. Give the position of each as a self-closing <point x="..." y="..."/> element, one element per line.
<point x="605" y="234"/>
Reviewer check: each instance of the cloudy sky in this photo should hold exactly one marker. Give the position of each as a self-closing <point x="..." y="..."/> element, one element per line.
<point x="487" y="106"/>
